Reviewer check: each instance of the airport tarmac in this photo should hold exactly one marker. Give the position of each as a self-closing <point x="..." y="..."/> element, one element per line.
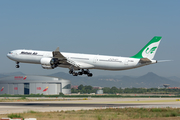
<point x="90" y="103"/>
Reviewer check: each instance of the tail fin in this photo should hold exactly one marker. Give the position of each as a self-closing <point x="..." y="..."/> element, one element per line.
<point x="149" y="50"/>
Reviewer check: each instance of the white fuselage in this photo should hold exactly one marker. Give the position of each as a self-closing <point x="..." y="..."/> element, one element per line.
<point x="87" y="61"/>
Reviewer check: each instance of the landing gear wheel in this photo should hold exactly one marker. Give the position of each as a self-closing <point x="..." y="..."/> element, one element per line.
<point x="80" y="73"/>
<point x="70" y="72"/>
<point x="90" y="75"/>
<point x="17" y="66"/>
<point x="85" y="72"/>
<point x="75" y="74"/>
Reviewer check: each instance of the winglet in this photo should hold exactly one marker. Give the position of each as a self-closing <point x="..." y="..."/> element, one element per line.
<point x="57" y="54"/>
<point x="57" y="49"/>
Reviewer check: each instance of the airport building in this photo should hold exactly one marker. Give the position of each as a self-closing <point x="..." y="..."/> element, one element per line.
<point x="99" y="92"/>
<point x="34" y="85"/>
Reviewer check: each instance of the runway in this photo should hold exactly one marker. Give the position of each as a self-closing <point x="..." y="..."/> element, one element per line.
<point x="92" y="103"/>
<point x="69" y="105"/>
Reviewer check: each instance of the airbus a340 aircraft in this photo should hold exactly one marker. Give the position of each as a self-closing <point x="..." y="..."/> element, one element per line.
<point x="79" y="64"/>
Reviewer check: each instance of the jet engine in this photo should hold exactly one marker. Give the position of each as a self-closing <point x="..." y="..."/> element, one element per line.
<point x="49" y="63"/>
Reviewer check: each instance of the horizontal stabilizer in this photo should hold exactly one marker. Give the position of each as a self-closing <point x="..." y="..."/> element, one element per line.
<point x="164" y="60"/>
<point x="145" y="60"/>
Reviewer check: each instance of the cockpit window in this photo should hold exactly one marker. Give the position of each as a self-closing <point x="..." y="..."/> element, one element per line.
<point x="10" y="52"/>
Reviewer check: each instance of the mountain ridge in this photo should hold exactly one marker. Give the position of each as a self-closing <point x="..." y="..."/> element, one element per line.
<point x="148" y="80"/>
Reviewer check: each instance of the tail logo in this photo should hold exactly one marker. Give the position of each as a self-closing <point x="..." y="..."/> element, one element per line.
<point x="45" y="89"/>
<point x="2" y="88"/>
<point x="25" y="78"/>
<point x="151" y="50"/>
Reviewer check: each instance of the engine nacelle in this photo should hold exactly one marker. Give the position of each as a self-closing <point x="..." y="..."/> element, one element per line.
<point x="48" y="63"/>
<point x="47" y="67"/>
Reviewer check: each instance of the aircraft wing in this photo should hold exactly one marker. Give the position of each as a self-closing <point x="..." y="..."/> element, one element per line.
<point x="84" y="65"/>
<point x="63" y="60"/>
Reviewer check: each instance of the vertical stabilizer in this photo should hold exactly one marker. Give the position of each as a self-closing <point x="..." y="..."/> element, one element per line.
<point x="149" y="50"/>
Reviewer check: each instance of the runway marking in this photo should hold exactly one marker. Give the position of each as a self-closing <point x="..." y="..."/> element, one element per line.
<point x="140" y="101"/>
<point x="144" y="101"/>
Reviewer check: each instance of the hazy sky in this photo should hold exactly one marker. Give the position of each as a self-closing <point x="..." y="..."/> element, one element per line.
<point x="108" y="27"/>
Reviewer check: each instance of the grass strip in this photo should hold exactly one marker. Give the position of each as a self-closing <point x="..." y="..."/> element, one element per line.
<point x="103" y="114"/>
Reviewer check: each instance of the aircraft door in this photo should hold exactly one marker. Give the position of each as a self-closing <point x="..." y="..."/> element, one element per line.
<point x="126" y="62"/>
<point x="95" y="59"/>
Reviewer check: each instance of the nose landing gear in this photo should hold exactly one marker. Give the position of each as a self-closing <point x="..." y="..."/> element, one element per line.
<point x="17" y="66"/>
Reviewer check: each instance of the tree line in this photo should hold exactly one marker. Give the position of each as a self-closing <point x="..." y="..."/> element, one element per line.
<point x="113" y="90"/>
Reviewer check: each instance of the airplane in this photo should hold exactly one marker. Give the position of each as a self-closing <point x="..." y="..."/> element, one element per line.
<point x="80" y="64"/>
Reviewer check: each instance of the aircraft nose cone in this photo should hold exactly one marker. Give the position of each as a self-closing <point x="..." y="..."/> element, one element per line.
<point x="9" y="56"/>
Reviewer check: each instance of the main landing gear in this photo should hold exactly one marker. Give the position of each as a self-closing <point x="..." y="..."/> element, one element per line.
<point x="86" y="72"/>
<point x="17" y="66"/>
